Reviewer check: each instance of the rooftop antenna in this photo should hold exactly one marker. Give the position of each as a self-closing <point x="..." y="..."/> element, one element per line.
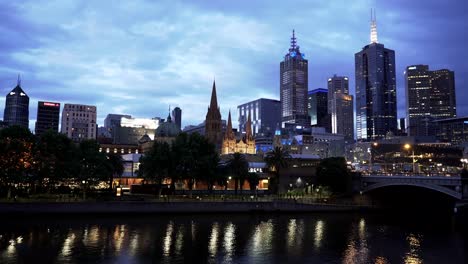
<point x="373" y="30"/>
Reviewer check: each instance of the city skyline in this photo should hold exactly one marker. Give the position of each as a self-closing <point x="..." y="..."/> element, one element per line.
<point x="85" y="61"/>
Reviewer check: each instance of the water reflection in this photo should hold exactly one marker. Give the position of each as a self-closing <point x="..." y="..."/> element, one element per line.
<point x="213" y="243"/>
<point x="230" y="239"/>
<point x="318" y="236"/>
<point x="168" y="239"/>
<point x="67" y="245"/>
<point x="357" y="250"/>
<point x="179" y="240"/>
<point x="413" y="257"/>
<point x="228" y="243"/>
<point x="262" y="238"/>
<point x="119" y="234"/>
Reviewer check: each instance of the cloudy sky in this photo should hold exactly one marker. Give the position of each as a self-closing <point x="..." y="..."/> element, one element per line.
<point x="139" y="57"/>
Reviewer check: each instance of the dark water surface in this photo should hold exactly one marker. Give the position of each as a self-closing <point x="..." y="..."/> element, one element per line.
<point x="296" y="238"/>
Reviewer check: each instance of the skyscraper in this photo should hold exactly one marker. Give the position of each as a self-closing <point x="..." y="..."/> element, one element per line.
<point x="340" y="107"/>
<point x="213" y="122"/>
<point x="265" y="114"/>
<point x="317" y="105"/>
<point x="376" y="108"/>
<point x="177" y="116"/>
<point x="443" y="103"/>
<point x="17" y="107"/>
<point x="79" y="122"/>
<point x="294" y="87"/>
<point x="48" y="114"/>
<point x="429" y="95"/>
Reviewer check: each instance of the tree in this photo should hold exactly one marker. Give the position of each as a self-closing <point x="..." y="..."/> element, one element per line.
<point x="56" y="157"/>
<point x="334" y="173"/>
<point x="156" y="164"/>
<point x="16" y="156"/>
<point x="276" y="160"/>
<point x="239" y="168"/>
<point x="94" y="166"/>
<point x="253" y="180"/>
<point x="195" y="158"/>
<point x="116" y="166"/>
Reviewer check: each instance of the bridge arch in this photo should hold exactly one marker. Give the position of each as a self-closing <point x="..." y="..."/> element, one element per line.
<point x="437" y="188"/>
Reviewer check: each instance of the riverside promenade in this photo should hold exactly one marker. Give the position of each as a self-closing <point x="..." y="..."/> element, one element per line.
<point x="164" y="207"/>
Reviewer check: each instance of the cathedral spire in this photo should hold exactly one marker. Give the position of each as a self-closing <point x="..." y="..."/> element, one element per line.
<point x="229" y="134"/>
<point x="214" y="99"/>
<point x="373" y="29"/>
<point x="169" y="118"/>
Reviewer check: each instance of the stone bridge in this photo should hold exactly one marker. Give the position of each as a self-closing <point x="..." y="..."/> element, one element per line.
<point x="449" y="185"/>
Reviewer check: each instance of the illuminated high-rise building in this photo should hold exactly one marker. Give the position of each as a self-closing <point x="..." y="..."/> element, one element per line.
<point x="340" y="107"/>
<point x="48" y="117"/>
<point x="430" y="95"/>
<point x="317" y="105"/>
<point x="79" y="122"/>
<point x="376" y="107"/>
<point x="17" y="107"/>
<point x="294" y="87"/>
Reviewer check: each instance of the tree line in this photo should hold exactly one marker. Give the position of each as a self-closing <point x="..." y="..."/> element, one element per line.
<point x="42" y="162"/>
<point x="52" y="159"/>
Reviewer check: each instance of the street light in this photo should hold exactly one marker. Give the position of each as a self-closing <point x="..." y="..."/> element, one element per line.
<point x="371" y="163"/>
<point x="408" y="147"/>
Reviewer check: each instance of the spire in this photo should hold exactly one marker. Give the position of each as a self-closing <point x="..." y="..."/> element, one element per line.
<point x="229" y="134"/>
<point x="18" y="83"/>
<point x="293" y="41"/>
<point x="214" y="99"/>
<point x="373" y="30"/>
<point x="169" y="119"/>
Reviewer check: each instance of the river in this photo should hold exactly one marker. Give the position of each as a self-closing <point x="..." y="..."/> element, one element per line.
<point x="244" y="238"/>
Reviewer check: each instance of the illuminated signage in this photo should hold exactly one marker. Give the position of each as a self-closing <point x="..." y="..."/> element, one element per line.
<point x="51" y="104"/>
<point x="412" y="68"/>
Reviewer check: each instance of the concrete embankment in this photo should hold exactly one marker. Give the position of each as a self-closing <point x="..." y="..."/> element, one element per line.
<point x="167" y="207"/>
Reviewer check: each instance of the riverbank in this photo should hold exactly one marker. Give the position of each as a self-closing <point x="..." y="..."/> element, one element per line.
<point x="189" y="207"/>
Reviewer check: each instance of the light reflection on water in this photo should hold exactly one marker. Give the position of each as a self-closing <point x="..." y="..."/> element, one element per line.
<point x="228" y="243"/>
<point x="413" y="257"/>
<point x="236" y="239"/>
<point x="319" y="228"/>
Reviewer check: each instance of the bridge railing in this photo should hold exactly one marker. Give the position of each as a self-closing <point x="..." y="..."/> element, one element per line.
<point x="415" y="175"/>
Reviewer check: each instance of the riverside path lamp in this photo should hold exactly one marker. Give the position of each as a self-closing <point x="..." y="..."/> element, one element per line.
<point x="408" y="147"/>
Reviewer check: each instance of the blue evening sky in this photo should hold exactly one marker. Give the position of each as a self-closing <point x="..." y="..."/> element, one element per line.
<point x="139" y="57"/>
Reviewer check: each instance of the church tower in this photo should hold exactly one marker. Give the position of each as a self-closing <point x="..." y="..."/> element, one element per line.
<point x="213" y="120"/>
<point x="249" y="139"/>
<point x="229" y="140"/>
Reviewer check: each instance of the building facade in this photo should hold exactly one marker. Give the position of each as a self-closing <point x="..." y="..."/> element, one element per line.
<point x="430" y="95"/>
<point x="340" y="107"/>
<point x="265" y="116"/>
<point x="48" y="117"/>
<point x="131" y="130"/>
<point x="376" y="108"/>
<point x="213" y="122"/>
<point x="177" y="117"/>
<point x="245" y="145"/>
<point x="111" y="121"/>
<point x="79" y="122"/>
<point x="317" y="105"/>
<point x="17" y="107"/>
<point x="294" y="87"/>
